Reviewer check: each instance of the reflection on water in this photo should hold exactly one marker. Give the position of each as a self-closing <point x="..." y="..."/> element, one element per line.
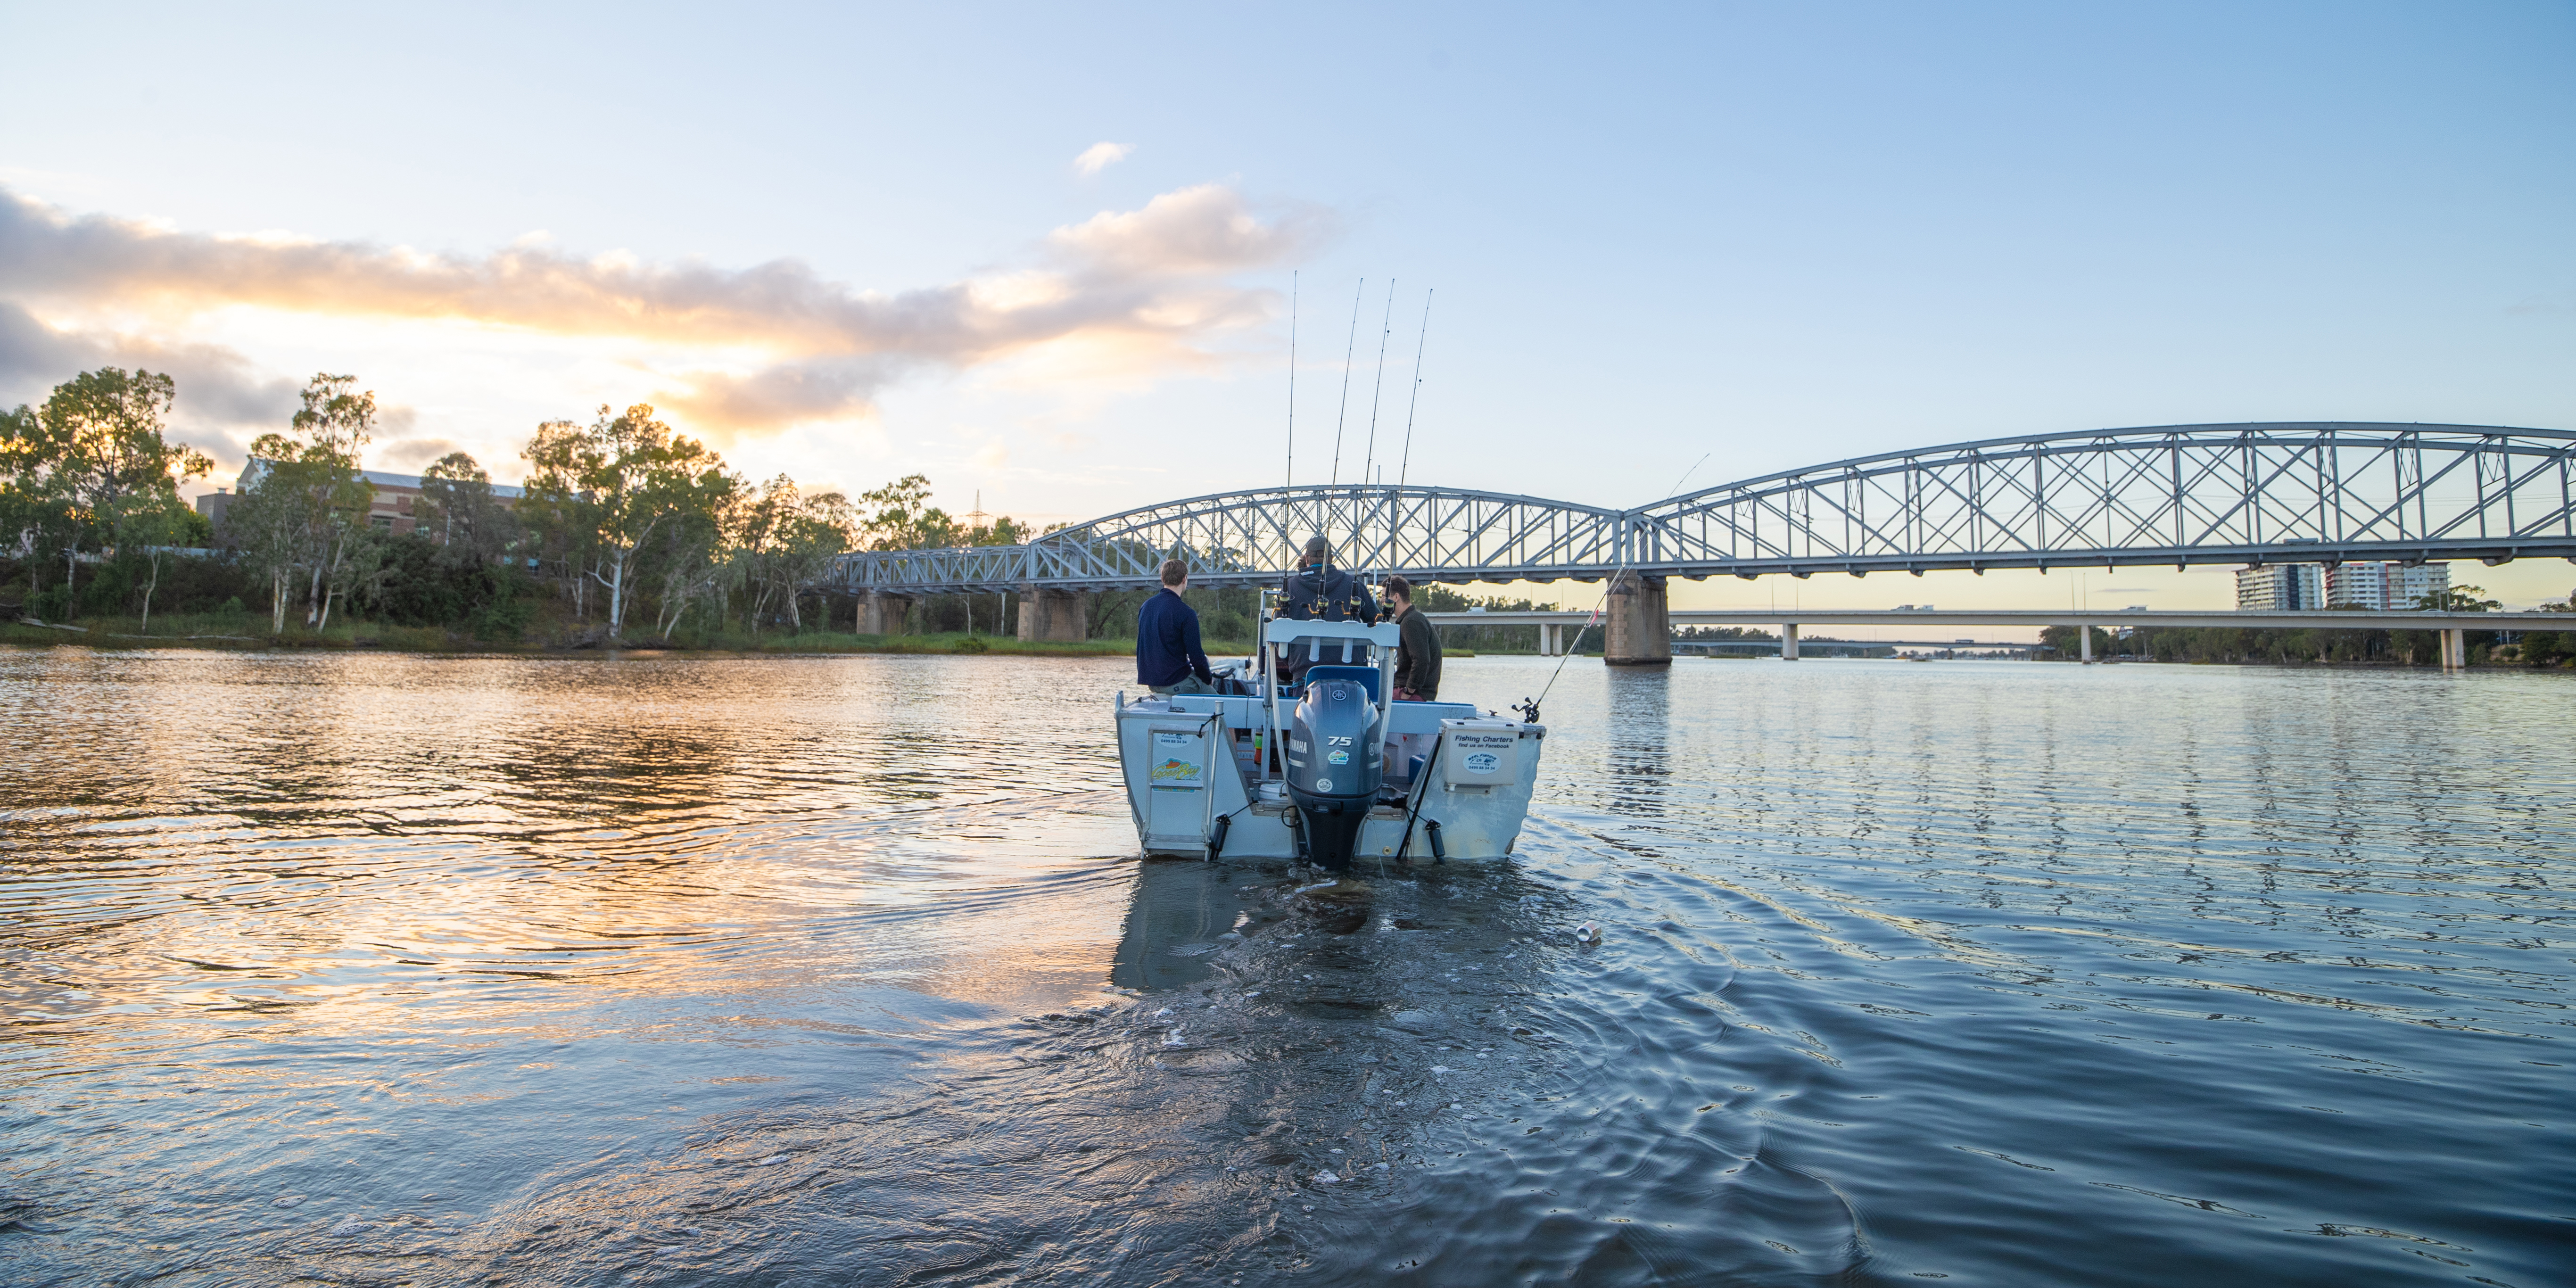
<point x="384" y="969"/>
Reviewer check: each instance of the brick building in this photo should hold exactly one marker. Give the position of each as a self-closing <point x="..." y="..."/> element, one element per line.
<point x="390" y="509"/>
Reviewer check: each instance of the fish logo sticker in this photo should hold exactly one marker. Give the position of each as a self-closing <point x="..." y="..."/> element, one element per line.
<point x="1483" y="762"/>
<point x="1337" y="757"/>
<point x="1182" y="770"/>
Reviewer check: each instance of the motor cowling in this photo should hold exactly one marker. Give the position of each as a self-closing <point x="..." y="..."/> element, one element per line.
<point x="1333" y="767"/>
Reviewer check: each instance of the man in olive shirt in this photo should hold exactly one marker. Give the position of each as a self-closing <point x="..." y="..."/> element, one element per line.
<point x="1417" y="657"/>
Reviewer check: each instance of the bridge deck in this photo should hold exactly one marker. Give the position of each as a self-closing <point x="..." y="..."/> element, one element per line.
<point x="2343" y="621"/>
<point x="2304" y="492"/>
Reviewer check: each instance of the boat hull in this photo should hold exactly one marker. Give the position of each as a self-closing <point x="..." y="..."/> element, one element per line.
<point x="1190" y="760"/>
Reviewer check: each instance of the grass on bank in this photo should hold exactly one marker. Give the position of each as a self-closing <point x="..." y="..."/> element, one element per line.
<point x="251" y="631"/>
<point x="240" y="631"/>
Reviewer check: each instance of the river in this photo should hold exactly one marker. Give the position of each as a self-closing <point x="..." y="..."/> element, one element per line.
<point x="419" y="970"/>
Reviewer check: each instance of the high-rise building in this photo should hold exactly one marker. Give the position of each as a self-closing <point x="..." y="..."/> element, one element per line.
<point x="2375" y="585"/>
<point x="2279" y="588"/>
<point x="2382" y="586"/>
<point x="2408" y="585"/>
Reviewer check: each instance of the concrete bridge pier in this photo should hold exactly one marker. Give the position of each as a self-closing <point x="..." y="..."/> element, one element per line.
<point x="1551" y="639"/>
<point x="1789" y="642"/>
<point x="1054" y="615"/>
<point x="2455" y="650"/>
<point x="1640" y="622"/>
<point x="2085" y="633"/>
<point x="881" y="613"/>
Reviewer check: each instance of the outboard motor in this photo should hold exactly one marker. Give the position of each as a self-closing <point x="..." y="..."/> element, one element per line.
<point x="1333" y="769"/>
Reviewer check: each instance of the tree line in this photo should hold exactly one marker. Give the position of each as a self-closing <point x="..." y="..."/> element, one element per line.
<point x="2323" y="645"/>
<point x="626" y="527"/>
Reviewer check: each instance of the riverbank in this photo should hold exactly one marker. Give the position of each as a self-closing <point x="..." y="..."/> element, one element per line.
<point x="227" y="632"/>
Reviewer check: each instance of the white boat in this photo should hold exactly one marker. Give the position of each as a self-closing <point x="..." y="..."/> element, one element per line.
<point x="1327" y="770"/>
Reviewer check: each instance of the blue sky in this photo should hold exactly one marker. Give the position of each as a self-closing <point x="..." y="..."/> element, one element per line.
<point x="1768" y="236"/>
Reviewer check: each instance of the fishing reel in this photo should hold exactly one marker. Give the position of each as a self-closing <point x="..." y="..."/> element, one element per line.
<point x="1529" y="710"/>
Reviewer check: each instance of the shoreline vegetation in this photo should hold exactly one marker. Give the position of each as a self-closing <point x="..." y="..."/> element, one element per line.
<point x="632" y="537"/>
<point x="224" y="632"/>
<point x="234" y="632"/>
<point x="625" y="535"/>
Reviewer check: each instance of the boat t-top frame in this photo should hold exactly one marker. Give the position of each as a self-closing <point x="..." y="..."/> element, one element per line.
<point x="1277" y="631"/>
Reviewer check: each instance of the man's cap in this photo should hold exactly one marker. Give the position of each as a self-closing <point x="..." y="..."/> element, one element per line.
<point x="1317" y="547"/>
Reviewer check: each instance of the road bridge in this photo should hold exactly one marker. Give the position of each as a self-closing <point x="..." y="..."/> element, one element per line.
<point x="1558" y="628"/>
<point x="2273" y="492"/>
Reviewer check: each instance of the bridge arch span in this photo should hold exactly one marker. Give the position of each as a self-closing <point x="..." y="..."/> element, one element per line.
<point x="2297" y="491"/>
<point x="2305" y="491"/>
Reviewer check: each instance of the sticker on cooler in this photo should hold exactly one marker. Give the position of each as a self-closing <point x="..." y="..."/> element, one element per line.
<point x="1179" y="760"/>
<point x="1481" y="757"/>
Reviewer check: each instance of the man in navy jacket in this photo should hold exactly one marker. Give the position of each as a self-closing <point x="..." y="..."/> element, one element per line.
<point x="1168" y="657"/>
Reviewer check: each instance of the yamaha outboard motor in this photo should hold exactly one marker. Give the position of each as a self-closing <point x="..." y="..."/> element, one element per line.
<point x="1333" y="769"/>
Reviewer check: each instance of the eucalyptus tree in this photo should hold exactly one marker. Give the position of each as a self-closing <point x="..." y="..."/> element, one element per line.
<point x="899" y="516"/>
<point x="788" y="540"/>
<point x="458" y="510"/>
<point x="154" y="526"/>
<point x="304" y="507"/>
<point x="267" y="525"/>
<point x="92" y="467"/>
<point x="690" y="557"/>
<point x="610" y="488"/>
<point x="824" y="528"/>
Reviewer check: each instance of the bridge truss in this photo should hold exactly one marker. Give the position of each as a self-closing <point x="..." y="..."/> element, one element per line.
<point x="1249" y="538"/>
<point x="2178" y="494"/>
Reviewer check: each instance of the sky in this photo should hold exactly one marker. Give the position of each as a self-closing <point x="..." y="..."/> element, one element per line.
<point x="1047" y="255"/>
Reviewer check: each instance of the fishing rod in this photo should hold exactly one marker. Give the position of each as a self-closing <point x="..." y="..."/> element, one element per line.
<point x="1404" y="469"/>
<point x="1377" y="384"/>
<point x="1685" y="478"/>
<point x="1345" y="413"/>
<point x="1529" y="706"/>
<point x="1291" y="480"/>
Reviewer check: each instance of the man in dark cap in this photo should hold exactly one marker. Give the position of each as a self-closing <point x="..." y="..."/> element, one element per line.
<point x="1316" y="591"/>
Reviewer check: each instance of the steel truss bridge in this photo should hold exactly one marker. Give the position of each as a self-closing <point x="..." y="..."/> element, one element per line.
<point x="2304" y="492"/>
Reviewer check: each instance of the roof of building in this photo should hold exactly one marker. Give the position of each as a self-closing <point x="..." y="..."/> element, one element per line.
<point x="383" y="479"/>
<point x="380" y="478"/>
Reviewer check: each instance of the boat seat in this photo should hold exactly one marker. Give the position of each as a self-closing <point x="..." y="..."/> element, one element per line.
<point x="1366" y="675"/>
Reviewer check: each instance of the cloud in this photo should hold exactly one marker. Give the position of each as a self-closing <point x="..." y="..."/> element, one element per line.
<point x="414" y="454"/>
<point x="222" y="401"/>
<point x="1155" y="280"/>
<point x="783" y="394"/>
<point x="1101" y="156"/>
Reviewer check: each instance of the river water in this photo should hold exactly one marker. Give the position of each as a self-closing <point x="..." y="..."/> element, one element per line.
<point x="408" y="970"/>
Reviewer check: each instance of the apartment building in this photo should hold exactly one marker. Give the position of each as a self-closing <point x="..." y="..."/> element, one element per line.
<point x="2387" y="586"/>
<point x="2375" y="585"/>
<point x="2280" y="588"/>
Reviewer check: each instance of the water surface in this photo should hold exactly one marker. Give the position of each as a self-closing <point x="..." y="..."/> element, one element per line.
<point x="442" y="970"/>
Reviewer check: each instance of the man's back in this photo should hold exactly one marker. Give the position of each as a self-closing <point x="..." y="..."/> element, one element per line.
<point x="1167" y="641"/>
<point x="1323" y="593"/>
<point x="1326" y="594"/>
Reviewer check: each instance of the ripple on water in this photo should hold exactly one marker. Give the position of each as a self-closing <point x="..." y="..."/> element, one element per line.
<point x="376" y="969"/>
